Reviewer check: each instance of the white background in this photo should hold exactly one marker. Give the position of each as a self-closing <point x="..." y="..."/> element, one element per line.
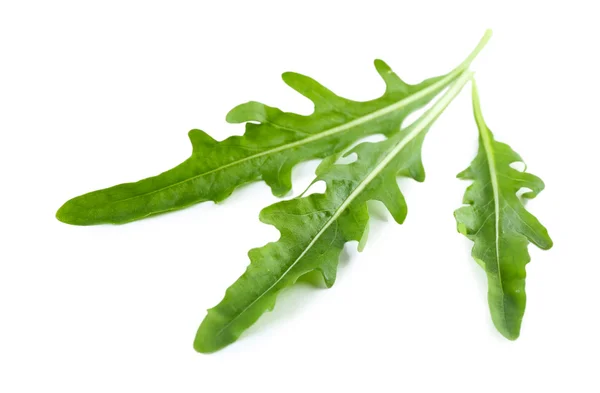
<point x="97" y="93"/>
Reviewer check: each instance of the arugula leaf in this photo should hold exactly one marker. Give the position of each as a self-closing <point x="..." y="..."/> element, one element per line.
<point x="268" y="150"/>
<point x="499" y="225"/>
<point x="314" y="228"/>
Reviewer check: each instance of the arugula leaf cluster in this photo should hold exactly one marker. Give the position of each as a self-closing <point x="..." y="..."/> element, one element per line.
<point x="314" y="228"/>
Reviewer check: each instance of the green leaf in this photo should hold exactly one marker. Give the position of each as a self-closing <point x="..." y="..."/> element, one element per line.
<point x="315" y="228"/>
<point x="498" y="223"/>
<point x="268" y="150"/>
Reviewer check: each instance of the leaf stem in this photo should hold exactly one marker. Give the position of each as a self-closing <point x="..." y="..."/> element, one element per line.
<point x="467" y="62"/>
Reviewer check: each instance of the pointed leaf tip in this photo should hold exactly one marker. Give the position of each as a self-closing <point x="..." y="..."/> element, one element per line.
<point x="203" y="345"/>
<point x="248" y="111"/>
<point x="72" y="214"/>
<point x="310" y="88"/>
<point x="392" y="81"/>
<point x="210" y="337"/>
<point x="62" y="214"/>
<point x="199" y="139"/>
<point x="382" y="67"/>
<point x="289" y="76"/>
<point x="511" y="333"/>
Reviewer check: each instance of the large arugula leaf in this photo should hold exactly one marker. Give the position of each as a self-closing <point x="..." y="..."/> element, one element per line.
<point x="499" y="225"/>
<point x="315" y="228"/>
<point x="268" y="150"/>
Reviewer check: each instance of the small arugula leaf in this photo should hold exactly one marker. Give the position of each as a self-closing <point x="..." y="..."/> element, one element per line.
<point x="268" y="150"/>
<point x="499" y="225"/>
<point x="315" y="228"/>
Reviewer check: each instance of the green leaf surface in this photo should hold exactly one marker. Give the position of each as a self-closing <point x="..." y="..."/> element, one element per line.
<point x="315" y="228"/>
<point x="273" y="143"/>
<point x="498" y="223"/>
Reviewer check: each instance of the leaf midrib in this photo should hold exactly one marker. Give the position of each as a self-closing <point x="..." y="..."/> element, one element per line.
<point x="332" y="131"/>
<point x="422" y="124"/>
<point x="491" y="160"/>
<point x="361" y="186"/>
